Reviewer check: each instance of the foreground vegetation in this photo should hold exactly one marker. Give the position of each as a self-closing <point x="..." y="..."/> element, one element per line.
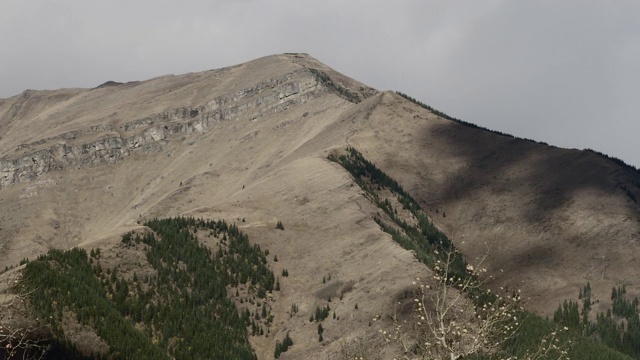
<point x="618" y="327"/>
<point x="181" y="311"/>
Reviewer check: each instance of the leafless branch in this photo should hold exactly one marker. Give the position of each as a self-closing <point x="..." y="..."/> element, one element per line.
<point x="20" y="336"/>
<point x="450" y="321"/>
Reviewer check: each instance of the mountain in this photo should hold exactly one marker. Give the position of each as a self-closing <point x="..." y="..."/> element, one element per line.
<point x="249" y="144"/>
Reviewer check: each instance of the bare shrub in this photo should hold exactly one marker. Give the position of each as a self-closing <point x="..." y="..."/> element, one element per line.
<point x="20" y="336"/>
<point x="457" y="318"/>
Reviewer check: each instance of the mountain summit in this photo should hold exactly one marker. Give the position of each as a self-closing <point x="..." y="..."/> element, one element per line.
<point x="249" y="144"/>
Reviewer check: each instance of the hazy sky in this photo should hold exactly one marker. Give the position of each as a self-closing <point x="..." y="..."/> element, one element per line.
<point x="563" y="72"/>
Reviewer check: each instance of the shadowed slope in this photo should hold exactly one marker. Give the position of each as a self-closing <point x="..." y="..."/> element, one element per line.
<point x="554" y="218"/>
<point x="78" y="167"/>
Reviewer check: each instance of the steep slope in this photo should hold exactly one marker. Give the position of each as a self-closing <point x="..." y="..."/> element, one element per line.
<point x="79" y="167"/>
<point x="169" y="120"/>
<point x="252" y="145"/>
<point x="553" y="219"/>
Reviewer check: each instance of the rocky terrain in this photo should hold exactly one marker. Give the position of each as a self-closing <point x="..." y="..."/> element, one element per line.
<point x="249" y="144"/>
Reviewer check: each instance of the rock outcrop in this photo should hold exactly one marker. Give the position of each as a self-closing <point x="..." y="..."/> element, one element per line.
<point x="149" y="133"/>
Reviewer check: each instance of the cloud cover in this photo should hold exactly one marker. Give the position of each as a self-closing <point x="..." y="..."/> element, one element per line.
<point x="563" y="72"/>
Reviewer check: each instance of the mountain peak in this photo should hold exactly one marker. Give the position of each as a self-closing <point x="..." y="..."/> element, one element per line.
<point x="250" y="144"/>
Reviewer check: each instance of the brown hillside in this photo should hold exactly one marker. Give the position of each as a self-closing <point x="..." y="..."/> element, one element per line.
<point x="553" y="218"/>
<point x="78" y="167"/>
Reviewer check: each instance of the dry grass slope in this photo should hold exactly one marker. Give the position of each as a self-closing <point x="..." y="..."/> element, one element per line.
<point x="256" y="148"/>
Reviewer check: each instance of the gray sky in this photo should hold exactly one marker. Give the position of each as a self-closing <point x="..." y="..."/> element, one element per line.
<point x="564" y="72"/>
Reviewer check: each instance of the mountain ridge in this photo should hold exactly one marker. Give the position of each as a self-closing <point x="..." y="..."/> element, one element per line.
<point x="249" y="143"/>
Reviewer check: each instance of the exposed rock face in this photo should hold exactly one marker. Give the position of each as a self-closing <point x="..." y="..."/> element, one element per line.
<point x="148" y="134"/>
<point x="79" y="167"/>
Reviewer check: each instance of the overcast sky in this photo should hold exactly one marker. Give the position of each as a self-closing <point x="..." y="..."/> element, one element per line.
<point x="563" y="72"/>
